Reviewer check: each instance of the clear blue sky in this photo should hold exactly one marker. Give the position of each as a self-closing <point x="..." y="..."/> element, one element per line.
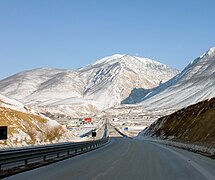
<point x="73" y="33"/>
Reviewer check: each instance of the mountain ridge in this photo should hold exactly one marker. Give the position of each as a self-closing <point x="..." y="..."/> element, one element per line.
<point x="101" y="85"/>
<point x="195" y="83"/>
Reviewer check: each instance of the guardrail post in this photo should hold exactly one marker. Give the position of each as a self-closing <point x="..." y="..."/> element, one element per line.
<point x="57" y="155"/>
<point x="68" y="153"/>
<point x="26" y="162"/>
<point x="44" y="158"/>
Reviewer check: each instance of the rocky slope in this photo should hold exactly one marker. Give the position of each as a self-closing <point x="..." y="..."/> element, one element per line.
<point x="26" y="127"/>
<point x="193" y="125"/>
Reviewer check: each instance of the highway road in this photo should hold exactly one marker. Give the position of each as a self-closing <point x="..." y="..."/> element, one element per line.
<point x="126" y="158"/>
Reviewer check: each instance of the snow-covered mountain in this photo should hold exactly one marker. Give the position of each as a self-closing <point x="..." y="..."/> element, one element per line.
<point x="89" y="89"/>
<point x="25" y="127"/>
<point x="195" y="83"/>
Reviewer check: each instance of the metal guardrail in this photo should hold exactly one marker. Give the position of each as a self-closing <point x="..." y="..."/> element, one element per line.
<point x="23" y="155"/>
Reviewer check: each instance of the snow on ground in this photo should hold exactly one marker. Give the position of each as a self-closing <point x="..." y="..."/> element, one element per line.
<point x="12" y="104"/>
<point x="27" y="128"/>
<point x="207" y="151"/>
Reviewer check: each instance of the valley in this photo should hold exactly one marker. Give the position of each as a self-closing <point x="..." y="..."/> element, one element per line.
<point x="107" y="90"/>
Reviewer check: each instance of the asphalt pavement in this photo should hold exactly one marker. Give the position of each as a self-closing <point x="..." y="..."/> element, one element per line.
<point x="126" y="158"/>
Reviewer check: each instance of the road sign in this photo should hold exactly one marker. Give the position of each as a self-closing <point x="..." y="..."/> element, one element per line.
<point x="126" y="128"/>
<point x="3" y="132"/>
<point x="93" y="134"/>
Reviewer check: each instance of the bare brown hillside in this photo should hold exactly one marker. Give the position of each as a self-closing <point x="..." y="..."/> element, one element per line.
<point x="194" y="124"/>
<point x="28" y="129"/>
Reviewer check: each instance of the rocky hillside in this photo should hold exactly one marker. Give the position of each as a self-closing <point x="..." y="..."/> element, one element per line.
<point x="26" y="127"/>
<point x="90" y="89"/>
<point x="193" y="125"/>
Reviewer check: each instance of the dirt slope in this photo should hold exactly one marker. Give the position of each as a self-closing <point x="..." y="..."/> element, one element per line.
<point x="194" y="124"/>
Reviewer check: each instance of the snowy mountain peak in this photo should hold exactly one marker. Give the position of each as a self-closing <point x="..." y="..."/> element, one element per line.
<point x="211" y="50"/>
<point x="128" y="59"/>
<point x="209" y="53"/>
<point x="108" y="59"/>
